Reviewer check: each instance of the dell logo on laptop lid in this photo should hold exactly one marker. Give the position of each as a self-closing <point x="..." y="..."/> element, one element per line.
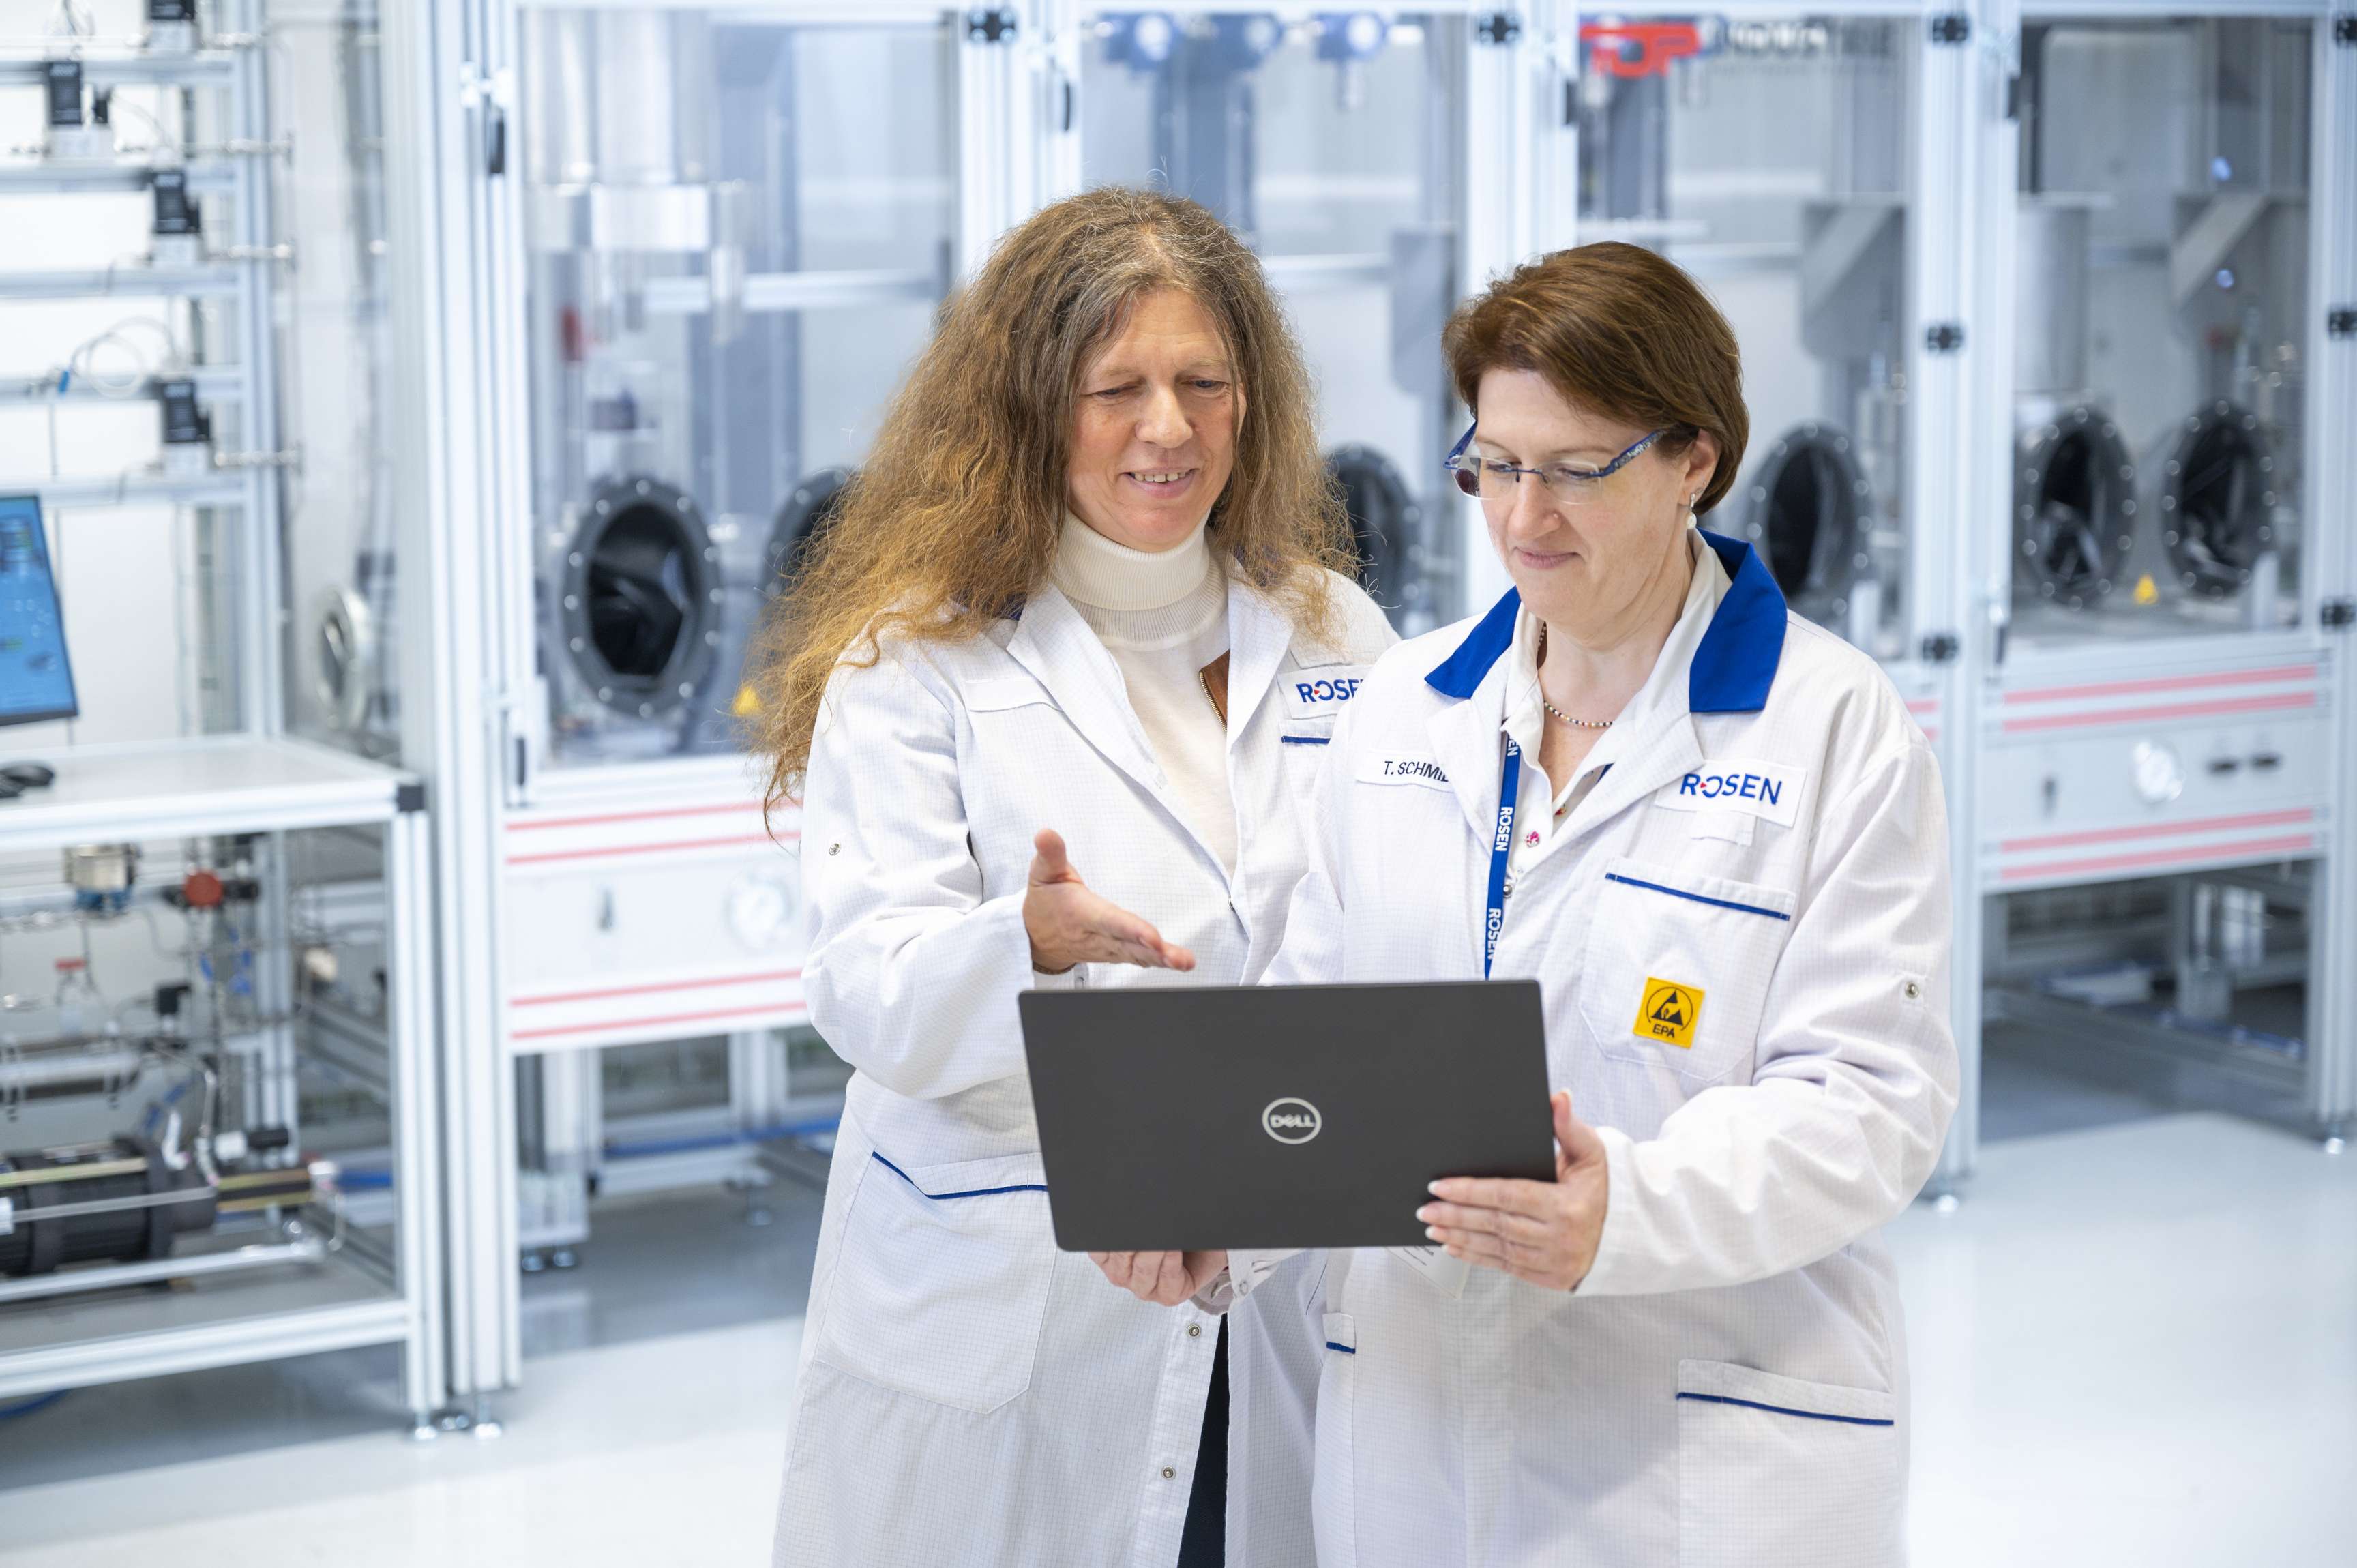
<point x="1291" y="1121"/>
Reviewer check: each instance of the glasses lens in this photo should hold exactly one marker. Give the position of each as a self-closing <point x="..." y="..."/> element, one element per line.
<point x="1466" y="481"/>
<point x="1567" y="488"/>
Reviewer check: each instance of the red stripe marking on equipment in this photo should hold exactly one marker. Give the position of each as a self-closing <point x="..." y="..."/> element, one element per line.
<point x="2162" y="830"/>
<point x="636" y="849"/>
<point x="2166" y="684"/>
<point x="2169" y="711"/>
<point x="651" y="1023"/>
<point x="2248" y="848"/>
<point x="534" y="824"/>
<point x="649" y="990"/>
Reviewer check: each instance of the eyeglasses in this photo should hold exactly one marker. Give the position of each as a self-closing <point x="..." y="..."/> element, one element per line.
<point x="1570" y="484"/>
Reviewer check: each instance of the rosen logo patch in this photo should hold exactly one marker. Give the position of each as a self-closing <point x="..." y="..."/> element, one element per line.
<point x="1312" y="693"/>
<point x="1766" y="789"/>
<point x="1291" y="1121"/>
<point x="1669" y="1013"/>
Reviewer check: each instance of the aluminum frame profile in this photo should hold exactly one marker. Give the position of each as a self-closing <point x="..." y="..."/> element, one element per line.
<point x="415" y="1101"/>
<point x="1002" y="115"/>
<point x="2330" y="505"/>
<point x="448" y="82"/>
<point x="1055" y="53"/>
<point x="262" y="588"/>
<point x="1949" y="252"/>
<point x="1506" y="81"/>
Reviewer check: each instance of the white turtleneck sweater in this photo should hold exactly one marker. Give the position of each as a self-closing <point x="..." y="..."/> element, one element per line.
<point x="1163" y="617"/>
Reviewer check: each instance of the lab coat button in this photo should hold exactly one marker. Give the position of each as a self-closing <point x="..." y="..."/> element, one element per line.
<point x="1167" y="1473"/>
<point x="1194" y="1331"/>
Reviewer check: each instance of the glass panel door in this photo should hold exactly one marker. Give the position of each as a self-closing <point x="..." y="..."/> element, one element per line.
<point x="1332" y="143"/>
<point x="2160" y="283"/>
<point x="738" y="244"/>
<point x="1774" y="160"/>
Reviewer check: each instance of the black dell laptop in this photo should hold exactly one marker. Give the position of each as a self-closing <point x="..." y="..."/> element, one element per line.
<point x="1280" y="1116"/>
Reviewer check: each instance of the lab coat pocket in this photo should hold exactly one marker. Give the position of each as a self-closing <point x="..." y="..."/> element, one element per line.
<point x="940" y="1282"/>
<point x="1776" y="1473"/>
<point x="1678" y="969"/>
<point x="1334" y="1502"/>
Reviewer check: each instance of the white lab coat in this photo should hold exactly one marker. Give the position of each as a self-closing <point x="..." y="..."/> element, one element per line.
<point x="968" y="1394"/>
<point x="1728" y="1386"/>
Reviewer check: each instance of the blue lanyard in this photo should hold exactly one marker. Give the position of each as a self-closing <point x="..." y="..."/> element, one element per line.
<point x="1501" y="849"/>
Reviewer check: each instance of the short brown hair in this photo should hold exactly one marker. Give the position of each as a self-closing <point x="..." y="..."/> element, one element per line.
<point x="1621" y="332"/>
<point x="953" y="520"/>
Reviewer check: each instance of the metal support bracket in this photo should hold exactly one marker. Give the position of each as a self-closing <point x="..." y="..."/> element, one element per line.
<point x="2341" y="321"/>
<point x="990" y="25"/>
<point x="1941" y="647"/>
<point x="2339" y="614"/>
<point x="1951" y="27"/>
<point x="1497" y="28"/>
<point x="1945" y="336"/>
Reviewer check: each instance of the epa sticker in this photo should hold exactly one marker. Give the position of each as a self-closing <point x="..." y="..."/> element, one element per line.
<point x="1669" y="1013"/>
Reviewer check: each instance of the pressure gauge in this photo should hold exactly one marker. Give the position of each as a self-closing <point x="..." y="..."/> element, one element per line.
<point x="760" y="909"/>
<point x="2159" y="773"/>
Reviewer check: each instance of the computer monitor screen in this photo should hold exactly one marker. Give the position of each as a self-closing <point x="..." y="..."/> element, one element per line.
<point x="36" y="681"/>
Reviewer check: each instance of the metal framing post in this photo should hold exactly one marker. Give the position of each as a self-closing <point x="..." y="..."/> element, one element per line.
<point x="506" y="550"/>
<point x="1055" y="55"/>
<point x="1959" y="90"/>
<point x="415" y="1107"/>
<point x="438" y="211"/>
<point x="1980" y="559"/>
<point x="1001" y="118"/>
<point x="2330" y="508"/>
<point x="1500" y="145"/>
<point x="1551" y="186"/>
<point x="260" y="600"/>
<point x="1504" y="60"/>
<point x="759" y="1078"/>
<point x="273" y="986"/>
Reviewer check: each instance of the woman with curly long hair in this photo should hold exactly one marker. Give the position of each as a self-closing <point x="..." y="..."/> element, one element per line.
<point x="1091" y="576"/>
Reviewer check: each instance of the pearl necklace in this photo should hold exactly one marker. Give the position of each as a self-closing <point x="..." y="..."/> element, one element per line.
<point x="1576" y="723"/>
<point x="1582" y="724"/>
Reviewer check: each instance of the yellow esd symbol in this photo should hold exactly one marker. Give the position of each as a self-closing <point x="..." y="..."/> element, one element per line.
<point x="1669" y="1013"/>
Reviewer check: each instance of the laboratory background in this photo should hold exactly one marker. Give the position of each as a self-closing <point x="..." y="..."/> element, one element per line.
<point x="411" y="1134"/>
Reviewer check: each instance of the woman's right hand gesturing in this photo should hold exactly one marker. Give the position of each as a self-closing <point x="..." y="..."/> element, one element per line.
<point x="1067" y="923"/>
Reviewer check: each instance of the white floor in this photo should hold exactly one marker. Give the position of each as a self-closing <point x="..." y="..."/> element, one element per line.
<point x="2136" y="1344"/>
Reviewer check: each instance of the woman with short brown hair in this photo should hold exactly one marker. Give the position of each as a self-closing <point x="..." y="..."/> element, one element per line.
<point x="1073" y="585"/>
<point x="1711" y="835"/>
